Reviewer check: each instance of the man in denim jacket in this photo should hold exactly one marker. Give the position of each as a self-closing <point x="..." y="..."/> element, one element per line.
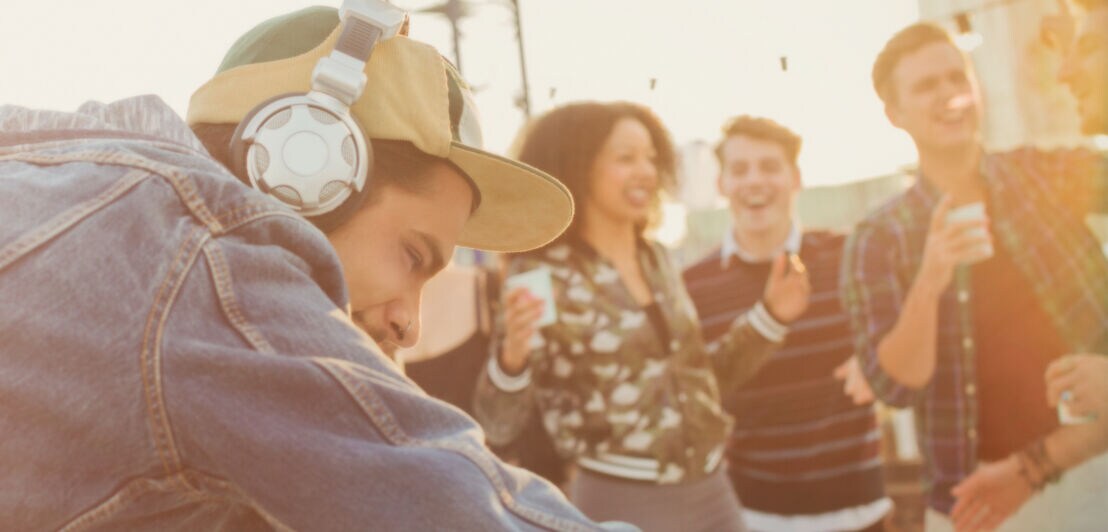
<point x="181" y="352"/>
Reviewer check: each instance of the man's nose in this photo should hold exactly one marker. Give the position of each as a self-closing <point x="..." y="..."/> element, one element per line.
<point x="648" y="169"/>
<point x="404" y="321"/>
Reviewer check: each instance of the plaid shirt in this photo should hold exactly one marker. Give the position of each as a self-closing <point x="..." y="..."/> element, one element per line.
<point x="1038" y="202"/>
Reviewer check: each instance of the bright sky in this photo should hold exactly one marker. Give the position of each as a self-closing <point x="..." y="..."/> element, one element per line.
<point x="711" y="59"/>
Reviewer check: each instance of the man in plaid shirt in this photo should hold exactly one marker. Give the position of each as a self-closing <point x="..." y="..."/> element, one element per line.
<point x="967" y="346"/>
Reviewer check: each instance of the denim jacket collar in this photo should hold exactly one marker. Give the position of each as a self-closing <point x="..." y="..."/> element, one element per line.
<point x="139" y="117"/>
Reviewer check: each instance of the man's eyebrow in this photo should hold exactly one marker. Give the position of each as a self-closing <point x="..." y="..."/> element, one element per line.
<point x="432" y="243"/>
<point x="925" y="81"/>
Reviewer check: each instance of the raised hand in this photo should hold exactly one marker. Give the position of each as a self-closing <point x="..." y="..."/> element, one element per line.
<point x="521" y="311"/>
<point x="1084" y="379"/>
<point x="950" y="244"/>
<point x="787" y="291"/>
<point x="854" y="382"/>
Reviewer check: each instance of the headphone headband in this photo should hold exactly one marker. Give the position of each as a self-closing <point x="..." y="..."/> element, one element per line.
<point x="306" y="150"/>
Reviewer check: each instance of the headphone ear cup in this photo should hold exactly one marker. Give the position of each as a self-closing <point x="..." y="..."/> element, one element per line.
<point x="330" y="221"/>
<point x="237" y="149"/>
<point x="326" y="222"/>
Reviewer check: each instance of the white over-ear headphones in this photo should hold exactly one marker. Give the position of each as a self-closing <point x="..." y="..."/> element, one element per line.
<point x="306" y="150"/>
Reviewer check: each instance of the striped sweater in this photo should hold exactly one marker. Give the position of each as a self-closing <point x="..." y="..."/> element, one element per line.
<point x="800" y="446"/>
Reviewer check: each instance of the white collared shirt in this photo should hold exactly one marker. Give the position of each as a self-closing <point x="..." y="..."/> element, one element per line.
<point x="731" y="247"/>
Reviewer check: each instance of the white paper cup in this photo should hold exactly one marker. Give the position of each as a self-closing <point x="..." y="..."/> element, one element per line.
<point x="540" y="284"/>
<point x="972" y="211"/>
<point x="1066" y="418"/>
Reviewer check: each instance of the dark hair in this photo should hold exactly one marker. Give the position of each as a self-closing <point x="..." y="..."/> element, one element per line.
<point x="566" y="141"/>
<point x="905" y="41"/>
<point x="395" y="163"/>
<point x="762" y="129"/>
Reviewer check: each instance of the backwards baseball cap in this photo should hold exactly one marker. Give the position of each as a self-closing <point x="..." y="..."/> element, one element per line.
<point x="412" y="94"/>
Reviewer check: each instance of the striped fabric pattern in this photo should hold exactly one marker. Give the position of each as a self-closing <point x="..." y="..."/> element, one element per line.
<point x="800" y="446"/>
<point x="1038" y="202"/>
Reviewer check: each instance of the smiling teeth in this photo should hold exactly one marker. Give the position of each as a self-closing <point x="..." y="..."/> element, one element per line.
<point x="959" y="102"/>
<point x="639" y="194"/>
<point x="953" y="115"/>
<point x="756" y="202"/>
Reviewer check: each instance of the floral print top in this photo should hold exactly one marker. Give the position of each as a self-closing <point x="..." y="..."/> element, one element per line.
<point x="607" y="389"/>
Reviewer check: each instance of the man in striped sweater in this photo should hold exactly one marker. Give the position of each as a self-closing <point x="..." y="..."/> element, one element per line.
<point x="804" y="456"/>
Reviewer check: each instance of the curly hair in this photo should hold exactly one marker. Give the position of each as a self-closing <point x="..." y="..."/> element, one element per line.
<point x="565" y="142"/>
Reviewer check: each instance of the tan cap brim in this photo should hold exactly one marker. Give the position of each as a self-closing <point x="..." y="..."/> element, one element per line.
<point x="521" y="208"/>
<point x="407" y="98"/>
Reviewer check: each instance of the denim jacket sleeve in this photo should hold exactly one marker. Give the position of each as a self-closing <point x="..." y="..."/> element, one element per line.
<point x="282" y="403"/>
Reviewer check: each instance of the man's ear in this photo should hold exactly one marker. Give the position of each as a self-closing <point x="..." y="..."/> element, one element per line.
<point x="719" y="184"/>
<point x="798" y="178"/>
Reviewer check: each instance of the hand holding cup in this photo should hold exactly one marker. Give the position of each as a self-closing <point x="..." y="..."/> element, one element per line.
<point x="529" y="306"/>
<point x="956" y="236"/>
<point x="1078" y="386"/>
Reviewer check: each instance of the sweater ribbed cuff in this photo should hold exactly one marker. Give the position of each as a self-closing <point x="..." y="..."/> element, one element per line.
<point x="764" y="323"/>
<point x="505" y="382"/>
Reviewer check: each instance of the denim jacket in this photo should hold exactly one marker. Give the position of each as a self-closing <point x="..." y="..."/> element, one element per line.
<point x="176" y="354"/>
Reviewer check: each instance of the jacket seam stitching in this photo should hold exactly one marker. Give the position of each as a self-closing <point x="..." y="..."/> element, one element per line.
<point x="232" y="491"/>
<point x="224" y="288"/>
<point x="251" y="211"/>
<point x="150" y="360"/>
<point x="120" y="498"/>
<point x="17" y="151"/>
<point x="67" y="219"/>
<point x="182" y="183"/>
<point x="380" y="416"/>
<point x="243" y="219"/>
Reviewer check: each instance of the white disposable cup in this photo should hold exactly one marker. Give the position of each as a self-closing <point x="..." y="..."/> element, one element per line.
<point x="1066" y="418"/>
<point x="540" y="284"/>
<point x="972" y="211"/>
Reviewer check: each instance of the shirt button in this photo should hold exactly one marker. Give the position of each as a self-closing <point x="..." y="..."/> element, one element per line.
<point x="970" y="389"/>
<point x="967" y="343"/>
<point x="972" y="433"/>
<point x="963" y="296"/>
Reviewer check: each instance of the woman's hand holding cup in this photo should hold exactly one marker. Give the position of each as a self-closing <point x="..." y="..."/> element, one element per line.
<point x="522" y="311"/>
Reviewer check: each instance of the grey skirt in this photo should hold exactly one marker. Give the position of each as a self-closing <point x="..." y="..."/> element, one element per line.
<point x="708" y="504"/>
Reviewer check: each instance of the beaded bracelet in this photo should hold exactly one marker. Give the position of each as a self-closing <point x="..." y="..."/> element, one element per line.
<point x="1036" y="467"/>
